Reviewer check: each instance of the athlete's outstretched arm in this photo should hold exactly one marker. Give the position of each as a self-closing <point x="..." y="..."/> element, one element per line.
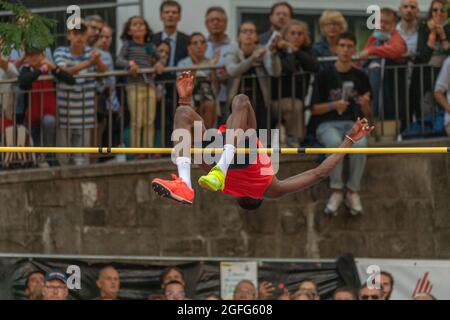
<point x="279" y="188"/>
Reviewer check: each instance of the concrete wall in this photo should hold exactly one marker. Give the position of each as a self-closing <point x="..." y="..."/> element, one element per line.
<point x="111" y="209"/>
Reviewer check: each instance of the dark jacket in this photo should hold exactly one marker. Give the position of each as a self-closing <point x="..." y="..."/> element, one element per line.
<point x="296" y="63"/>
<point x="181" y="50"/>
<point x="424" y="52"/>
<point x="322" y="49"/>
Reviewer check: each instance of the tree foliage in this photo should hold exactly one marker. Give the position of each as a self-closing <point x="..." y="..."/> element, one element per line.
<point x="26" y="30"/>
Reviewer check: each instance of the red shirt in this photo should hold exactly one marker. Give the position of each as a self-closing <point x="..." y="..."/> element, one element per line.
<point x="251" y="181"/>
<point x="43" y="93"/>
<point x="393" y="49"/>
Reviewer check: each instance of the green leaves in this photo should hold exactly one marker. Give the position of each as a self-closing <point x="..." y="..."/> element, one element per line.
<point x="27" y="31"/>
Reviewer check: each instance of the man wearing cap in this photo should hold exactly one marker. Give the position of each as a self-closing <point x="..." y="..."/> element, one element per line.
<point x="55" y="286"/>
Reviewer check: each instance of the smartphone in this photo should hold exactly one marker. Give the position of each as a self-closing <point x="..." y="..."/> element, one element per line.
<point x="347" y="90"/>
<point x="279" y="290"/>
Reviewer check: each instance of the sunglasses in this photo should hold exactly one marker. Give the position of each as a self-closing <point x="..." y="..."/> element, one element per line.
<point x="372" y="297"/>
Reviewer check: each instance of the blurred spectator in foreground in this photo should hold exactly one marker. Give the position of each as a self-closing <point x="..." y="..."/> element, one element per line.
<point x="344" y="293"/>
<point x="174" y="290"/>
<point x="309" y="287"/>
<point x="245" y="290"/>
<point x="387" y="283"/>
<point x="332" y="23"/>
<point x="172" y="274"/>
<point x="213" y="297"/>
<point x="108" y="283"/>
<point x="280" y="14"/>
<point x="34" y="284"/>
<point x="55" y="287"/>
<point x="366" y="293"/>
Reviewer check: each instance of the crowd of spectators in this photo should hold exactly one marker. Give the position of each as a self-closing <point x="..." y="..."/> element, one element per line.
<point x="53" y="286"/>
<point x="279" y="69"/>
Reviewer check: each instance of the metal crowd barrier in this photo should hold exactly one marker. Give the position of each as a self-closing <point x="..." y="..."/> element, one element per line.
<point x="112" y="128"/>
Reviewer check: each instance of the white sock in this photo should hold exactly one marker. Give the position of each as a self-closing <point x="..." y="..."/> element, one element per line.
<point x="184" y="169"/>
<point x="227" y="157"/>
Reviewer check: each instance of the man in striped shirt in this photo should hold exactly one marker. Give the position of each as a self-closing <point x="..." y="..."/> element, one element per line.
<point x="76" y="103"/>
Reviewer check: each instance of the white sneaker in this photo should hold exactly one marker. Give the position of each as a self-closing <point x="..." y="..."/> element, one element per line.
<point x="353" y="203"/>
<point x="334" y="203"/>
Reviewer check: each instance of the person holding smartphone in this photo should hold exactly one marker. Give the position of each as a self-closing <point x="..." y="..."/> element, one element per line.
<point x="341" y="96"/>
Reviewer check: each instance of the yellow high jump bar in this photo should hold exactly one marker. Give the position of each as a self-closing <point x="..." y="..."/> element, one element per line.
<point x="105" y="150"/>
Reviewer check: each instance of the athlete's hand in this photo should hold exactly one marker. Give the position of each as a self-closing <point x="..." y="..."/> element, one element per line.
<point x="360" y="129"/>
<point x="185" y="85"/>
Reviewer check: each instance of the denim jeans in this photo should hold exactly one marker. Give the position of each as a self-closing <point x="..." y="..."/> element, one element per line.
<point x="74" y="138"/>
<point x="48" y="127"/>
<point x="331" y="134"/>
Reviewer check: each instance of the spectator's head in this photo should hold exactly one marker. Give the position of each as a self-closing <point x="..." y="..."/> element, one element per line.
<point x="280" y="14"/>
<point x="95" y="24"/>
<point x="156" y="297"/>
<point x="137" y="29"/>
<point x="105" y="38"/>
<point x="366" y="293"/>
<point x="388" y="20"/>
<point x="172" y="274"/>
<point x="346" y="47"/>
<point x="170" y="14"/>
<point x="424" y="296"/>
<point x="163" y="50"/>
<point x="34" y="57"/>
<point x="309" y="286"/>
<point x="78" y="37"/>
<point x="245" y="290"/>
<point x="302" y="295"/>
<point x="297" y="33"/>
<point x="55" y="287"/>
<point x="213" y="297"/>
<point x="34" y="284"/>
<point x="387" y="283"/>
<point x="197" y="46"/>
<point x="109" y="283"/>
<point x="409" y="10"/>
<point x="216" y="21"/>
<point x="344" y="293"/>
<point x="174" y="290"/>
<point x="332" y="24"/>
<point x="247" y="35"/>
<point x="438" y="11"/>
